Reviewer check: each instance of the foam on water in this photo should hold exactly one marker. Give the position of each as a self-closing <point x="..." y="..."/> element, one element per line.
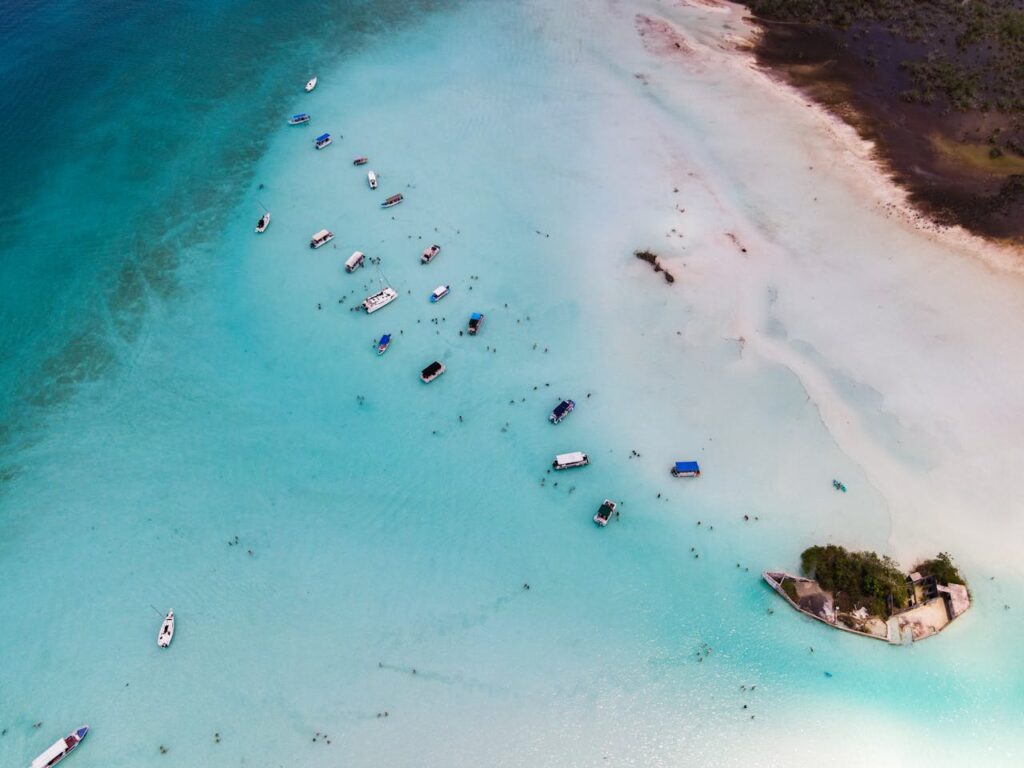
<point x="392" y="525"/>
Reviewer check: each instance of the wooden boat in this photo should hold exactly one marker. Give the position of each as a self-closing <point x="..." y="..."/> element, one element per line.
<point x="391" y="201"/>
<point x="361" y="161"/>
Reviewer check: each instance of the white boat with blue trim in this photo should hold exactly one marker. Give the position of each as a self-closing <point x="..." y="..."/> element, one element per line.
<point x="60" y="749"/>
<point x="300" y="119"/>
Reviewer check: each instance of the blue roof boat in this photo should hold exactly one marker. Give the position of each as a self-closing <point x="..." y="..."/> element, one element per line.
<point x="298" y="119"/>
<point x="322" y="141"/>
<point x="385" y="342"/>
<point x="686" y="469"/>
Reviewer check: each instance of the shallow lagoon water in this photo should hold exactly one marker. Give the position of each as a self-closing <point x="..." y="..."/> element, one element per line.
<point x="389" y="536"/>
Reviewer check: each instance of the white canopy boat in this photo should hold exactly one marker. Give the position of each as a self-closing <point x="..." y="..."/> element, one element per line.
<point x="379" y="300"/>
<point x="311" y="84"/>
<point x="166" y="631"/>
<point x="371" y="177"/>
<point x="60" y="749"/>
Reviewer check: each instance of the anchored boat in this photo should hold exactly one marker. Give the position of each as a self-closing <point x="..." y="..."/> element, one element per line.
<point x="475" y="321"/>
<point x="298" y="119"/>
<point x="562" y="410"/>
<point x="379" y="299"/>
<point x="263" y="223"/>
<point x="392" y="201"/>
<point x="311" y="84"/>
<point x="360" y="161"/>
<point x="166" y="634"/>
<point x="604" y="514"/>
<point x="355" y="261"/>
<point x="320" y="238"/>
<point x="60" y="749"/>
<point x="429" y="254"/>
<point x="686" y="469"/>
<point x="322" y="140"/>
<point x="431" y="372"/>
<point x="385" y="342"/>
<point x="371" y="179"/>
<point x="570" y="460"/>
<point x="439" y="293"/>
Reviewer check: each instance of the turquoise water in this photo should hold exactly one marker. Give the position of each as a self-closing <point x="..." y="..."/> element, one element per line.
<point x="175" y="382"/>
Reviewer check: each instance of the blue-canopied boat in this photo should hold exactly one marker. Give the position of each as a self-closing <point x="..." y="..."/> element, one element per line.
<point x="299" y="119"/>
<point x="439" y="293"/>
<point x="322" y="140"/>
<point x="562" y="410"/>
<point x="686" y="469"/>
<point x="475" y="321"/>
<point x="384" y="343"/>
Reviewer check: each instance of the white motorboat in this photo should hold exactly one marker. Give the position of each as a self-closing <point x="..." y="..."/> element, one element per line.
<point x="60" y="749"/>
<point x="263" y="223"/>
<point x="166" y="631"/>
<point x="311" y="84"/>
<point x="439" y="293"/>
<point x="429" y="254"/>
<point x="322" y="141"/>
<point x="371" y="177"/>
<point x="604" y="514"/>
<point x="380" y="299"/>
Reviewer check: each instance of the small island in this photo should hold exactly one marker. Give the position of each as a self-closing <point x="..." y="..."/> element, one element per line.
<point x="868" y="595"/>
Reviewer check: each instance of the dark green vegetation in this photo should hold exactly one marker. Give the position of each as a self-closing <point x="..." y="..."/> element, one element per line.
<point x="942" y="568"/>
<point x="857" y="579"/>
<point x="972" y="54"/>
<point x="937" y="84"/>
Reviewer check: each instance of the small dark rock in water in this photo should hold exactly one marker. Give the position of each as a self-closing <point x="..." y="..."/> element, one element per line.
<point x="652" y="258"/>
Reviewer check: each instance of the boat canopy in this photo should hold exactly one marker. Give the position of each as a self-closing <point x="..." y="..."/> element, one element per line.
<point x="324" y="137"/>
<point x="322" y="234"/>
<point x="299" y="116"/>
<point x="475" y="316"/>
<point x="687" y="467"/>
<point x="571" y="458"/>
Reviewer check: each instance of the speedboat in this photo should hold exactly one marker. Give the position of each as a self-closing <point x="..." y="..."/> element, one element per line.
<point x="311" y="84"/>
<point x="360" y="161"/>
<point x="604" y="514"/>
<point x="371" y="177"/>
<point x="60" y="749"/>
<point x="562" y="410"/>
<point x="263" y="223"/>
<point x="166" y="631"/>
<point x="429" y="254"/>
<point x="322" y="140"/>
<point x="380" y="299"/>
<point x="298" y="119"/>
<point x="393" y="200"/>
<point x="431" y="372"/>
<point x="385" y="342"/>
<point x="439" y="293"/>
<point x="475" y="321"/>
<point x="322" y="237"/>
